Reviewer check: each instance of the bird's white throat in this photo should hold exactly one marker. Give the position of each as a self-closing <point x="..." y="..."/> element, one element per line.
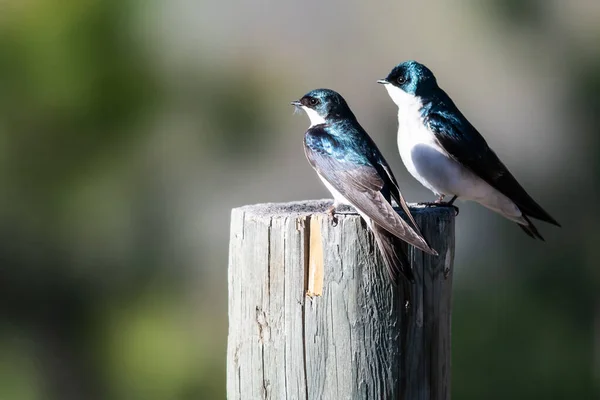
<point x="315" y="118"/>
<point x="404" y="101"/>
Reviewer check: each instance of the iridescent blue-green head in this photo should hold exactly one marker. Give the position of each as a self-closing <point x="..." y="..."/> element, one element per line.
<point x="324" y="105"/>
<point x="409" y="77"/>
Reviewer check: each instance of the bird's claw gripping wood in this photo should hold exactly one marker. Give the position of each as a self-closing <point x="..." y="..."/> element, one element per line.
<point x="331" y="215"/>
<point x="441" y="204"/>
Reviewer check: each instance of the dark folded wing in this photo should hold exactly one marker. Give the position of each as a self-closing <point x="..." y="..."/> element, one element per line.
<point x="397" y="195"/>
<point x="359" y="182"/>
<point x="466" y="145"/>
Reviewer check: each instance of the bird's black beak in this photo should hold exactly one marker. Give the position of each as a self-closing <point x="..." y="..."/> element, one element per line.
<point x="296" y="103"/>
<point x="382" y="81"/>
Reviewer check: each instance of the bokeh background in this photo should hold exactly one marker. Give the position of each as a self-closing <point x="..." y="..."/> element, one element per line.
<point x="130" y="128"/>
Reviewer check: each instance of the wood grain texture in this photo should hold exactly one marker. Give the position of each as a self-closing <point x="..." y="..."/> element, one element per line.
<point x="356" y="340"/>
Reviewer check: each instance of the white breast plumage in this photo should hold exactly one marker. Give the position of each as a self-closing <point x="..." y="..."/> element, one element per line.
<point x="433" y="167"/>
<point x="415" y="141"/>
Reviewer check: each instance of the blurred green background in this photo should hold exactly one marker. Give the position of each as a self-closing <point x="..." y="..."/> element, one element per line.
<point x="129" y="129"/>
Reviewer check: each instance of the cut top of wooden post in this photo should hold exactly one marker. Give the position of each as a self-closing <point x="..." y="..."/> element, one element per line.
<point x="319" y="207"/>
<point x="313" y="313"/>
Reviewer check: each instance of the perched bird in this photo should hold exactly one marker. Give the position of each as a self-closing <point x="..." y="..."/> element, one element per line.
<point x="444" y="152"/>
<point x="353" y="169"/>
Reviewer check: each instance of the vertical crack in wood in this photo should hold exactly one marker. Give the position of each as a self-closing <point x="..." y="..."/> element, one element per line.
<point x="285" y="382"/>
<point x="335" y="356"/>
<point x="243" y="224"/>
<point x="269" y="262"/>
<point x="306" y="227"/>
<point x="404" y="332"/>
<point x="240" y="382"/>
<point x="241" y="310"/>
<point x="264" y="315"/>
<point x="264" y="383"/>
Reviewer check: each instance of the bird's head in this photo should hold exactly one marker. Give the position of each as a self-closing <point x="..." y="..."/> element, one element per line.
<point x="324" y="105"/>
<point x="409" y="77"/>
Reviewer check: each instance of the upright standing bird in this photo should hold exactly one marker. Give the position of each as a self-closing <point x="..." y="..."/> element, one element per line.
<point x="443" y="151"/>
<point x="353" y="169"/>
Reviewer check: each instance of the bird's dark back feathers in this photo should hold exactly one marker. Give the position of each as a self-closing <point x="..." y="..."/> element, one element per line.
<point x="466" y="145"/>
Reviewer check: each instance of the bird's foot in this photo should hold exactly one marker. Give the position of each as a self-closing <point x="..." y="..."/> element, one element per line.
<point x="456" y="209"/>
<point x="331" y="213"/>
<point x="440" y="203"/>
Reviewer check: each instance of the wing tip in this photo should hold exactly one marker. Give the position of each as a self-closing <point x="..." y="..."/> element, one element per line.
<point x="546" y="218"/>
<point x="433" y="252"/>
<point x="536" y="211"/>
<point x="426" y="248"/>
<point x="554" y="222"/>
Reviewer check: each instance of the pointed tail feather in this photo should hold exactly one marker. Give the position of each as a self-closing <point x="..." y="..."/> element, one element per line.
<point x="530" y="229"/>
<point x="394" y="256"/>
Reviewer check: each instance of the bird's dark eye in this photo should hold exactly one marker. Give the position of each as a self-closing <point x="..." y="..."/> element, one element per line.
<point x="313" y="102"/>
<point x="401" y="80"/>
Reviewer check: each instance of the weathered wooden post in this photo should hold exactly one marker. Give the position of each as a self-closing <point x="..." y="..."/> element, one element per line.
<point x="313" y="314"/>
